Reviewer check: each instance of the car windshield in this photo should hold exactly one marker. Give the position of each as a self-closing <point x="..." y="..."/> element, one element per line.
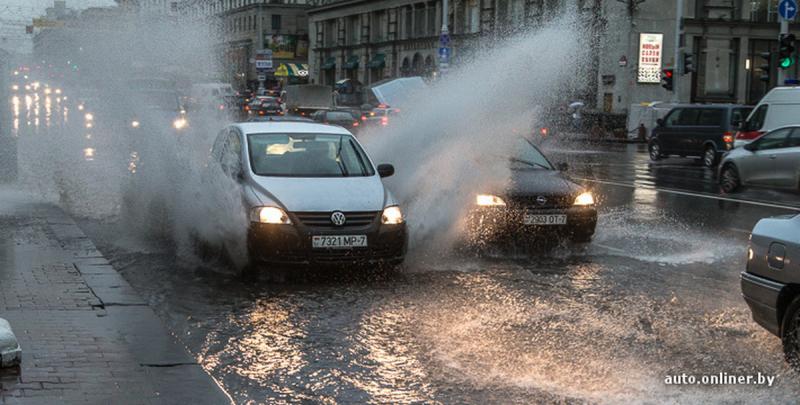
<point x="526" y="156"/>
<point x="307" y="155"/>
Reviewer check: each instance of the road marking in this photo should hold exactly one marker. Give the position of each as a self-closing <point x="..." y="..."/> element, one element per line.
<point x="691" y="194"/>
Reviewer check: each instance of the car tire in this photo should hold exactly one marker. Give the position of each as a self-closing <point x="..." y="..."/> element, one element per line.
<point x="790" y="334"/>
<point x="710" y="157"/>
<point x="729" y="179"/>
<point x="655" y="151"/>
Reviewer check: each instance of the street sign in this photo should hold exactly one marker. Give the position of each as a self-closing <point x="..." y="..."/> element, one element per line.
<point x="444" y="54"/>
<point x="261" y="78"/>
<point x="444" y="40"/>
<point x="623" y="61"/>
<point x="788" y="9"/>
<point x="263" y="59"/>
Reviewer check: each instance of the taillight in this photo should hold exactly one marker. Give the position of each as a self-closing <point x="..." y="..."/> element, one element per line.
<point x="543" y="131"/>
<point x="363" y="118"/>
<point x="384" y="121"/>
<point x="355" y="123"/>
<point x="727" y="137"/>
<point x="247" y="108"/>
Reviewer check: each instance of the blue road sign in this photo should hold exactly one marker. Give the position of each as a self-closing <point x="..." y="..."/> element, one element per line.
<point x="444" y="54"/>
<point x="788" y="9"/>
<point x="444" y="40"/>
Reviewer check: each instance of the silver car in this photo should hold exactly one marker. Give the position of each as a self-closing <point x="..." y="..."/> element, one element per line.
<point x="771" y="160"/>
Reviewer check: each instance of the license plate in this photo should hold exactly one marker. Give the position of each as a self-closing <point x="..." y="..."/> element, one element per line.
<point x="338" y="241"/>
<point x="545" y="219"/>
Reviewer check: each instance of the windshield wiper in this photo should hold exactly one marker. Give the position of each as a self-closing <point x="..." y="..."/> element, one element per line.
<point x="532" y="164"/>
<point x="339" y="159"/>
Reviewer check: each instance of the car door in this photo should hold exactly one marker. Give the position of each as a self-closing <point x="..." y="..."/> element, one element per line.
<point x="667" y="132"/>
<point x="759" y="166"/>
<point x="709" y="129"/>
<point x="787" y="161"/>
<point x="686" y="131"/>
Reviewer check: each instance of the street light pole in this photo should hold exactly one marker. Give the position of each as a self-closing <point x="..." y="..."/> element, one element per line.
<point x="676" y="64"/>
<point x="444" y="40"/>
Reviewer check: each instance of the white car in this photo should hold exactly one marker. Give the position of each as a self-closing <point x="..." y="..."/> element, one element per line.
<point x="312" y="194"/>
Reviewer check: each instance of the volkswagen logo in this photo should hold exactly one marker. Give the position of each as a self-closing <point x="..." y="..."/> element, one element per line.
<point x="541" y="200"/>
<point x="338" y="218"/>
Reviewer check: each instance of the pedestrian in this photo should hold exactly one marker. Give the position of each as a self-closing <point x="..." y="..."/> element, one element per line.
<point x="642" y="132"/>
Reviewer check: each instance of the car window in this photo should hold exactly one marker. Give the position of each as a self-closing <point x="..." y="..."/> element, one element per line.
<point x="794" y="139"/>
<point x="688" y="117"/>
<point x="672" y="118"/>
<point x="711" y="117"/>
<point x="756" y="121"/>
<point x="307" y="155"/>
<point x="739" y="115"/>
<point x="773" y="140"/>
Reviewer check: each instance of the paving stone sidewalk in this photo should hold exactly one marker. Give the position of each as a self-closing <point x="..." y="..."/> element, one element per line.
<point x="86" y="335"/>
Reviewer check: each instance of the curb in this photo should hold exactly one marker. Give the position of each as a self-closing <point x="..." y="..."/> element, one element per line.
<point x="10" y="352"/>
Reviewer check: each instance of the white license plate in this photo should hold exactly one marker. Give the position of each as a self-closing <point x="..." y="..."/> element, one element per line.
<point x="338" y="241"/>
<point x="545" y="219"/>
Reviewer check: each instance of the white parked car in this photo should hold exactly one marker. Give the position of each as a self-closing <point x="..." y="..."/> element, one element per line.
<point x="312" y="194"/>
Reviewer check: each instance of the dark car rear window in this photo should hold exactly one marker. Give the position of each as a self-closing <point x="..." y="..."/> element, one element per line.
<point x="711" y="117"/>
<point x="739" y="115"/>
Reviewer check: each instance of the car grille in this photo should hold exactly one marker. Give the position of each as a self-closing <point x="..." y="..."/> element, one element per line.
<point x="339" y="255"/>
<point x="323" y="219"/>
<point x="530" y="202"/>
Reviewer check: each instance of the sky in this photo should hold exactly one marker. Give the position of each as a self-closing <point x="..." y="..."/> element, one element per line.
<point x="15" y="14"/>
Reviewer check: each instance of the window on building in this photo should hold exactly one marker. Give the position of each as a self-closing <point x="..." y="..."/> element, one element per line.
<point x="419" y="20"/>
<point x="763" y="10"/>
<point x="276" y="22"/>
<point x="353" y="30"/>
<point x="517" y="13"/>
<point x="379" y="26"/>
<point x="432" y="28"/>
<point x="473" y="16"/>
<point x="408" y="21"/>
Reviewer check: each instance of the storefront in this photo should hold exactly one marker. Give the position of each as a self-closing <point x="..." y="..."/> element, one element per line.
<point x="292" y="73"/>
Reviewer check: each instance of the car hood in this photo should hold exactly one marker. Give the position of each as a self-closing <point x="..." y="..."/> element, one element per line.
<point x="541" y="182"/>
<point x="302" y="194"/>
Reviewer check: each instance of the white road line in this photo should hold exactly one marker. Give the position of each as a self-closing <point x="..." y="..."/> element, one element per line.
<point x="687" y="193"/>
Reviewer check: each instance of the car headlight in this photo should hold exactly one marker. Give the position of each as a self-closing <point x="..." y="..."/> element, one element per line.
<point x="135" y="124"/>
<point x="269" y="215"/>
<point x="488" y="200"/>
<point x="88" y="116"/>
<point x="392" y="216"/>
<point x="180" y="123"/>
<point x="585" y="199"/>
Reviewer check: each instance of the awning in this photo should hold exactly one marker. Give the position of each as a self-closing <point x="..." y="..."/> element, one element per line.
<point x="352" y="62"/>
<point x="329" y="64"/>
<point x="378" y="61"/>
<point x="292" y="70"/>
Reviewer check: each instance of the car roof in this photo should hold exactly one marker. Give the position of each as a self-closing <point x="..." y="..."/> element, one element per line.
<point x="289" y="127"/>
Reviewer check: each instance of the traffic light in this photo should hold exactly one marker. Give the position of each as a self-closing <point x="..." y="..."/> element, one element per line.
<point x="765" y="67"/>
<point x="688" y="63"/>
<point x="786" y="51"/>
<point x="666" y="79"/>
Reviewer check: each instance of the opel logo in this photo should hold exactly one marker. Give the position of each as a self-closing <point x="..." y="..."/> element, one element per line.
<point x="338" y="218"/>
<point x="541" y="200"/>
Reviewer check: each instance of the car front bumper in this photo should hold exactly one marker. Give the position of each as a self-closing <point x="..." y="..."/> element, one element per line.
<point x="495" y="223"/>
<point x="292" y="244"/>
<point x="762" y="297"/>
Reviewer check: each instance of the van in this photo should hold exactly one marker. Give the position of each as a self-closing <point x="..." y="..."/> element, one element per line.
<point x="705" y="131"/>
<point x="779" y="108"/>
<point x="211" y="95"/>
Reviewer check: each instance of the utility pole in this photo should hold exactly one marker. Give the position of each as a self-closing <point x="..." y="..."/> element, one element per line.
<point x="676" y="64"/>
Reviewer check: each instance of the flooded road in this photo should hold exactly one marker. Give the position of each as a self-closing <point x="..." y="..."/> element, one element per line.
<point x="656" y="294"/>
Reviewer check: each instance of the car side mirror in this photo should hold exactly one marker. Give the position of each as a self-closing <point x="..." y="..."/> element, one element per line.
<point x="385" y="170"/>
<point x="563" y="166"/>
<point x="660" y="122"/>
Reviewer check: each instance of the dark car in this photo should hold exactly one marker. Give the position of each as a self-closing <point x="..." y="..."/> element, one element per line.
<point x="705" y="131"/>
<point x="264" y="105"/>
<point x="342" y="118"/>
<point x="539" y="202"/>
<point x="771" y="281"/>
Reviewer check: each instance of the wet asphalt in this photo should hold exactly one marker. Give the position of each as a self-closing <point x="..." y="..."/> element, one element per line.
<point x="655" y="294"/>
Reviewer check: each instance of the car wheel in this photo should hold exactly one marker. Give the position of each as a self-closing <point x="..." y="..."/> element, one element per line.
<point x="790" y="334"/>
<point x="729" y="179"/>
<point x="710" y="157"/>
<point x="655" y="151"/>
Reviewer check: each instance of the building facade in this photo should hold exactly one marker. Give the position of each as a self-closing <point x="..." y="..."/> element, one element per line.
<point x="245" y="27"/>
<point x="369" y="41"/>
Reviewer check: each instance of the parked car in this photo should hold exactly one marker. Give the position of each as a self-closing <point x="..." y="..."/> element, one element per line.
<point x="771" y="281"/>
<point x="771" y="160"/>
<point x="778" y="108"/>
<point x="705" y="131"/>
<point x="312" y="194"/>
<point x="342" y="118"/>
<point x="540" y="202"/>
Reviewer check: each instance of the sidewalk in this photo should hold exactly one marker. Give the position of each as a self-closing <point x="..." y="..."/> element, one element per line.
<point x="86" y="335"/>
